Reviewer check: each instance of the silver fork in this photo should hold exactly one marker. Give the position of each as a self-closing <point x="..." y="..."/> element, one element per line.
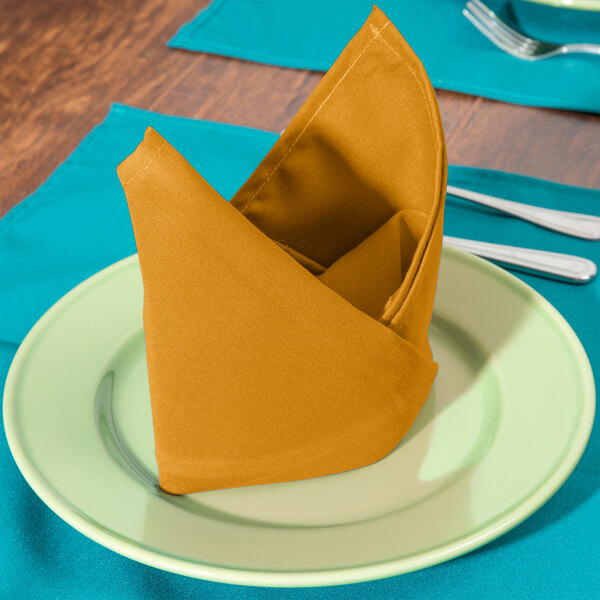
<point x="514" y="42"/>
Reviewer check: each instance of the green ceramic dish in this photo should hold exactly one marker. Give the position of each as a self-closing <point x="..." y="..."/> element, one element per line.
<point x="576" y="4"/>
<point x="507" y="420"/>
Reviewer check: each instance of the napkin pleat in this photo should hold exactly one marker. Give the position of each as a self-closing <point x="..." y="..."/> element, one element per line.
<point x="373" y="104"/>
<point x="377" y="263"/>
<point x="367" y="144"/>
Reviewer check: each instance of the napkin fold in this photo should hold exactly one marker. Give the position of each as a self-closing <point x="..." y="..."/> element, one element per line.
<point x="286" y="331"/>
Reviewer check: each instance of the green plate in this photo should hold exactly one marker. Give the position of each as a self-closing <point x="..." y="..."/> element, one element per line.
<point x="507" y="420"/>
<point x="576" y="4"/>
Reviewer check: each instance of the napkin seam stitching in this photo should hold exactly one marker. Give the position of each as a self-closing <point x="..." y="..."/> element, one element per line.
<point x="154" y="157"/>
<point x="314" y="116"/>
<point x="407" y="302"/>
<point x="412" y="72"/>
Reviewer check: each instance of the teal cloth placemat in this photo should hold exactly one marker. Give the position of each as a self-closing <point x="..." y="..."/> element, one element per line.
<point x="77" y="223"/>
<point x="312" y="33"/>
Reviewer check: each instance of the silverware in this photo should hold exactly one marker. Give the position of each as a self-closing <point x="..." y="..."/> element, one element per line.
<point x="562" y="267"/>
<point x="514" y="42"/>
<point x="575" y="224"/>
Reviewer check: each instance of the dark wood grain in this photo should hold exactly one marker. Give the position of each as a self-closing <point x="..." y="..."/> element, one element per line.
<point x="62" y="62"/>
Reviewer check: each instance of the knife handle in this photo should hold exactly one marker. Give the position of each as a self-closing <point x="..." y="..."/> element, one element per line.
<point x="562" y="267"/>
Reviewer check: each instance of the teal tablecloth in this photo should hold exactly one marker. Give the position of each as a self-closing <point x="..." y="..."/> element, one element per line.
<point x="77" y="223"/>
<point x="310" y="34"/>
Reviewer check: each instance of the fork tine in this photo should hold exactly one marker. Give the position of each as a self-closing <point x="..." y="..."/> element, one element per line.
<point x="499" y="32"/>
<point x="501" y="24"/>
<point x="490" y="34"/>
<point x="492" y="23"/>
<point x="512" y="41"/>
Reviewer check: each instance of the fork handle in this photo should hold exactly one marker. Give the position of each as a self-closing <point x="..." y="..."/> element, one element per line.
<point x="576" y="224"/>
<point x="581" y="49"/>
<point x="562" y="267"/>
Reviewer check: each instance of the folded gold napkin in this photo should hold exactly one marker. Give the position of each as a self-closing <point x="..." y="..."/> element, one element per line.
<point x="286" y="331"/>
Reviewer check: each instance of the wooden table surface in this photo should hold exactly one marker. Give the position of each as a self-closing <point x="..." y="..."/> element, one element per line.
<point x="62" y="62"/>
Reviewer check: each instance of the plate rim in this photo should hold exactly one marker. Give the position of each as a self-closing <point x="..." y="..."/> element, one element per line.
<point x="306" y="578"/>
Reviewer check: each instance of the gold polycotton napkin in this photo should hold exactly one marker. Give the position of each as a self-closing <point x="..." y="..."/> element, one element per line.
<point x="286" y="331"/>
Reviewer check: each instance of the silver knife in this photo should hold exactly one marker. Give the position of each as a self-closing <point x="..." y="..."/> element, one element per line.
<point x="562" y="267"/>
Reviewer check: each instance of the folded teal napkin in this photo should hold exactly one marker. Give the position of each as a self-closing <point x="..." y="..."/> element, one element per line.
<point x="310" y="35"/>
<point x="77" y="223"/>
